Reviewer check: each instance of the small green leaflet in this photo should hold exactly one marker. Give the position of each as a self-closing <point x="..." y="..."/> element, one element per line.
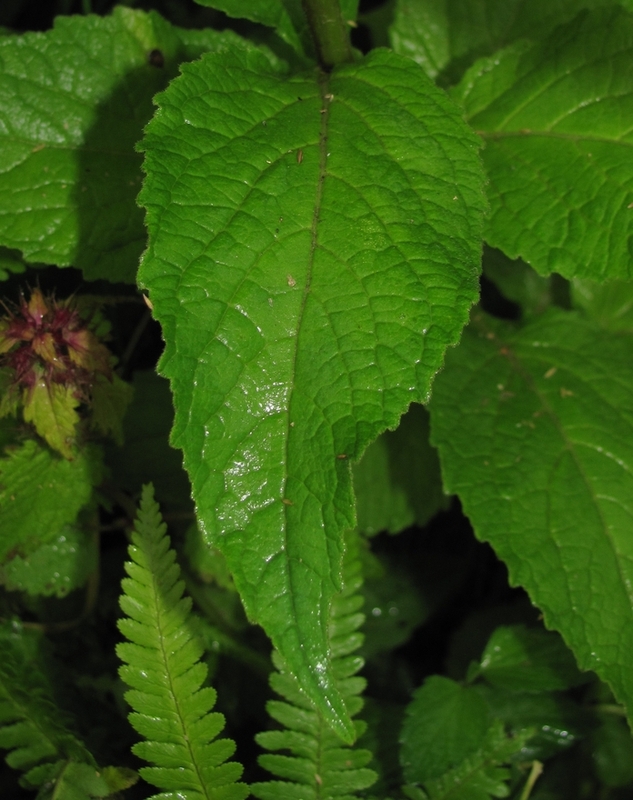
<point x="314" y="248"/>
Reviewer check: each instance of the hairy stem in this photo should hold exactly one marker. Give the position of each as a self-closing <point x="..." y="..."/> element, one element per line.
<point x="330" y="32"/>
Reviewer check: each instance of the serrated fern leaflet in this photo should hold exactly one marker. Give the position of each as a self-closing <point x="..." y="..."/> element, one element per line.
<point x="172" y="710"/>
<point x="319" y="765"/>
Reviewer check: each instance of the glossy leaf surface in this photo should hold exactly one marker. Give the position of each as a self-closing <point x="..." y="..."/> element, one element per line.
<point x="535" y="433"/>
<point x="73" y="103"/>
<point x="555" y="117"/>
<point x="314" y="245"/>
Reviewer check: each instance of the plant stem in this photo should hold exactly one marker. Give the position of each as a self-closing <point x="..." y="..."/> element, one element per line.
<point x="536" y="770"/>
<point x="329" y="31"/>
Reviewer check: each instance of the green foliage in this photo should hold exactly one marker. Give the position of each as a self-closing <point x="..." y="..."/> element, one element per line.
<point x="536" y="108"/>
<point x="172" y="711"/>
<point x="445" y="724"/>
<point x="41" y="494"/>
<point x="36" y="730"/>
<point x="397" y="482"/>
<point x="308" y="292"/>
<point x="536" y="415"/>
<point x="482" y="776"/>
<point x="320" y="765"/>
<point x="315" y="219"/>
<point x="68" y="194"/>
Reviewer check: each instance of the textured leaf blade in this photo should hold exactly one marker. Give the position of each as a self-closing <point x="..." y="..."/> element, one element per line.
<point x="73" y="103"/>
<point x="313" y="250"/>
<point x="436" y="32"/>
<point x="286" y="18"/>
<point x="40" y="494"/>
<point x="556" y="120"/>
<point x="535" y="435"/>
<point x="445" y="723"/>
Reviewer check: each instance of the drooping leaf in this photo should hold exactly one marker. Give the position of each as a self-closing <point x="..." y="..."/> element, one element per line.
<point x="313" y="251"/>
<point x="172" y="710"/>
<point x="40" y="494"/>
<point x="319" y="765"/>
<point x="555" y="117"/>
<point x="529" y="659"/>
<point x="73" y="103"/>
<point x="397" y="483"/>
<point x="445" y="723"/>
<point x="535" y="434"/>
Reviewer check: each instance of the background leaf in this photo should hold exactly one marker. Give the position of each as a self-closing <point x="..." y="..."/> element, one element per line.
<point x="529" y="659"/>
<point x="73" y="103"/>
<point x="437" y="32"/>
<point x="397" y="482"/>
<point x="40" y="494"/>
<point x="555" y="117"/>
<point x="609" y="304"/>
<point x="535" y="435"/>
<point x="55" y="568"/>
<point x="314" y="245"/>
<point x="146" y="456"/>
<point x="444" y="724"/>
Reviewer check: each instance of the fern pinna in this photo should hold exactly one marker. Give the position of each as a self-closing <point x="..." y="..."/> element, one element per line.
<point x="162" y="665"/>
<point x="320" y="766"/>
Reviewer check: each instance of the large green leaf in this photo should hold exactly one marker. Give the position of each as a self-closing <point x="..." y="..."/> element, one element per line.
<point x="73" y="103"/>
<point x="556" y="119"/>
<point x="314" y="244"/>
<point x="435" y="32"/>
<point x="535" y="431"/>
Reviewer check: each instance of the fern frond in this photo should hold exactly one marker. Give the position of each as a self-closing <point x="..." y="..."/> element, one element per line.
<point x="162" y="665"/>
<point x="320" y="766"/>
<point x="482" y="776"/>
<point x="36" y="730"/>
